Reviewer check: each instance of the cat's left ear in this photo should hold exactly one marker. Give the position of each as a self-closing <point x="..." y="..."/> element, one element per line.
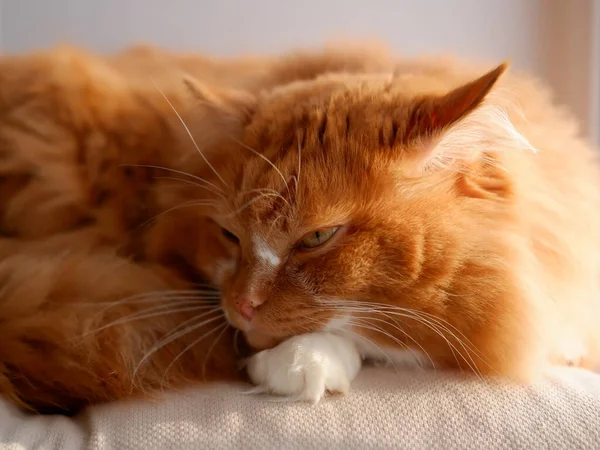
<point x="454" y="129"/>
<point x="213" y="115"/>
<point x="227" y="104"/>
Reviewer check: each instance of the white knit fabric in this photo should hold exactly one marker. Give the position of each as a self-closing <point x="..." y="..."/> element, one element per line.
<point x="385" y="410"/>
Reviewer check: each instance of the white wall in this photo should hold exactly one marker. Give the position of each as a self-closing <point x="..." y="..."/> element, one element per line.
<point x="494" y="28"/>
<point x="1" y="24"/>
<point x="549" y="37"/>
<point x="594" y="116"/>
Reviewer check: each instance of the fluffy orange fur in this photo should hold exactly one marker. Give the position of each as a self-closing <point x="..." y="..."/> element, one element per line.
<point x="462" y="205"/>
<point x="459" y="209"/>
<point x="92" y="278"/>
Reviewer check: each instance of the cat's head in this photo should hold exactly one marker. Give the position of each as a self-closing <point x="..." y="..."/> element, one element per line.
<point x="333" y="197"/>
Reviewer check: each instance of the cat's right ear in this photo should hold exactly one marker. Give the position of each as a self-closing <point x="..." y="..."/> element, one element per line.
<point x="453" y="130"/>
<point x="227" y="104"/>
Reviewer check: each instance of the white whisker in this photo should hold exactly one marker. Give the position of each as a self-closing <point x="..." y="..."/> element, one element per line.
<point x="266" y="190"/>
<point x="260" y="155"/>
<point x="408" y="336"/>
<point x="247" y="204"/>
<point x="208" y="188"/>
<point x="156" y="297"/>
<point x="166" y="298"/>
<point x="433" y="323"/>
<point x="187" y="204"/>
<point x="181" y="330"/>
<point x="210" y="349"/>
<point x="299" y="166"/>
<point x="194" y="343"/>
<point x="385" y="355"/>
<point x="161" y="310"/>
<point x="180" y="172"/>
<point x="440" y="322"/>
<point x="188" y="132"/>
<point x="434" y="327"/>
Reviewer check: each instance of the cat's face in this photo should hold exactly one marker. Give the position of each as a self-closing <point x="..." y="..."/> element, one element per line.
<point x="338" y="194"/>
<point x="303" y="227"/>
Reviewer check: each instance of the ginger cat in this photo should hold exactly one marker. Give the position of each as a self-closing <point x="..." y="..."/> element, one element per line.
<point x="437" y="215"/>
<point x="98" y="301"/>
<point x="346" y="206"/>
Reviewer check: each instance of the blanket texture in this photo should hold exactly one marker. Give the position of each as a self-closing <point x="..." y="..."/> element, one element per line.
<point x="416" y="410"/>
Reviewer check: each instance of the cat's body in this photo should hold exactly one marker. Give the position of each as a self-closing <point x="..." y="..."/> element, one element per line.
<point x="87" y="143"/>
<point x="500" y="260"/>
<point x="72" y="216"/>
<point x="454" y="217"/>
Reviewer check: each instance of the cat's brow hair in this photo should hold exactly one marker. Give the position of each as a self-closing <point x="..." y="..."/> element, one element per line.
<point x="266" y="192"/>
<point x="263" y="157"/>
<point x="297" y="176"/>
<point x="273" y="166"/>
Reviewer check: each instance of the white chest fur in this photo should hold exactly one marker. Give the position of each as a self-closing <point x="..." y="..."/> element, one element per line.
<point x="370" y="350"/>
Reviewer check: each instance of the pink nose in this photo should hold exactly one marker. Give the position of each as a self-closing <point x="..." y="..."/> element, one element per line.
<point x="245" y="305"/>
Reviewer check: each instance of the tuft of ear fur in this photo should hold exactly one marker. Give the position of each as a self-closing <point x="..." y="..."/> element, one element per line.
<point x="455" y="129"/>
<point x="230" y="104"/>
<point x="212" y="115"/>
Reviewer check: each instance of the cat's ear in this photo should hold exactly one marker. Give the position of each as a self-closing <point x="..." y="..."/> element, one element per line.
<point x="454" y="129"/>
<point x="227" y="104"/>
<point x="433" y="115"/>
<point x="212" y="115"/>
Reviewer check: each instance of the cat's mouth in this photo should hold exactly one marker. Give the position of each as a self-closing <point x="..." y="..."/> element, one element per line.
<point x="260" y="341"/>
<point x="257" y="339"/>
<point x="236" y="321"/>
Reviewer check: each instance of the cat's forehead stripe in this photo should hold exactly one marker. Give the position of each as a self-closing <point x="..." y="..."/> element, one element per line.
<point x="264" y="252"/>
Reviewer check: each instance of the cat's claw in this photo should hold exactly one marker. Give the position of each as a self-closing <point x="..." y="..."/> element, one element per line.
<point x="306" y="367"/>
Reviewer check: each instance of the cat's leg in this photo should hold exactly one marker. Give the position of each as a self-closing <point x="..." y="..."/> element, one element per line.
<point x="306" y="367"/>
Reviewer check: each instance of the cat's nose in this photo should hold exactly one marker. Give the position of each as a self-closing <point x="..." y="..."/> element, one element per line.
<point x="246" y="304"/>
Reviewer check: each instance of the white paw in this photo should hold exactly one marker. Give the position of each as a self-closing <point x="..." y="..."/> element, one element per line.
<point x="306" y="367"/>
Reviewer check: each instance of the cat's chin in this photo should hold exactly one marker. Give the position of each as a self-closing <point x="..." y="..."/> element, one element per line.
<point x="260" y="341"/>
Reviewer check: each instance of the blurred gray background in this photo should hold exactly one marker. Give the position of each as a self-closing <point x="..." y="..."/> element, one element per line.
<point x="558" y="40"/>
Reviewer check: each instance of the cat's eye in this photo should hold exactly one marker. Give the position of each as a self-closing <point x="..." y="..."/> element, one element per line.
<point x="230" y="236"/>
<point x="317" y="238"/>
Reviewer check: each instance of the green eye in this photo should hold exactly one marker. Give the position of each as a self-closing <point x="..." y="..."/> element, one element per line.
<point x="317" y="238"/>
